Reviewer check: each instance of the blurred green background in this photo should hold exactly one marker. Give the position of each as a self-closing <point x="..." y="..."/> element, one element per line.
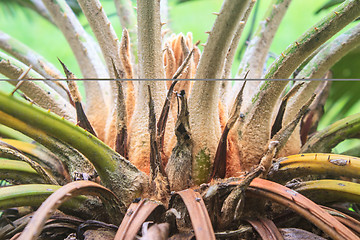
<point x="196" y="16"/>
<point x="184" y="16"/>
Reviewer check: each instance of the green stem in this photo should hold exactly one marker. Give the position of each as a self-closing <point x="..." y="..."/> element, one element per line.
<point x="110" y="202"/>
<point x="329" y="137"/>
<point x="333" y="52"/>
<point x="116" y="173"/>
<point x="6" y="151"/>
<point x="74" y="161"/>
<point x="35" y="194"/>
<point x="44" y="157"/>
<point x="18" y="172"/>
<point x="312" y="39"/>
<point x="6" y="132"/>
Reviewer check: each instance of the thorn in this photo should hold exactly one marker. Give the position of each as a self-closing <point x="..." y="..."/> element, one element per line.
<point x="316" y="29"/>
<point x="109" y="23"/>
<point x="77" y="35"/>
<point x="207" y="32"/>
<point x="282" y="55"/>
<point x="242" y="22"/>
<point x="135" y="8"/>
<point x="216" y="13"/>
<point x="22" y="76"/>
<point x="297" y="44"/>
<point x="101" y="8"/>
<point x="31" y="103"/>
<point x="116" y="39"/>
<point x="197" y="43"/>
<point x="253" y="0"/>
<point x="336" y="13"/>
<point x="267" y="19"/>
<point x="65" y="16"/>
<point x="203" y="44"/>
<point x="162" y="24"/>
<point x="63" y="118"/>
<point x="246" y="74"/>
<point x="48" y="110"/>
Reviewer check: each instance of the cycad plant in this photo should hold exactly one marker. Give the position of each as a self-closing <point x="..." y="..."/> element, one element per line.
<point x="178" y="158"/>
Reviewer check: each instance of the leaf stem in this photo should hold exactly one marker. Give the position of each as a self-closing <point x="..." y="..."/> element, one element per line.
<point x="212" y="60"/>
<point x="149" y="40"/>
<point x="80" y="42"/>
<point x="255" y="55"/>
<point x="312" y="39"/>
<point x="115" y="172"/>
<point x="104" y="33"/>
<point x="333" y="52"/>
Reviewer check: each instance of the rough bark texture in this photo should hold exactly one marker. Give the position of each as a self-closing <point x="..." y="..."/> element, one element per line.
<point x="149" y="40"/>
<point x="37" y="91"/>
<point x="139" y="138"/>
<point x="293" y="106"/>
<point x="205" y="126"/>
<point x="254" y="134"/>
<point x="178" y="169"/>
